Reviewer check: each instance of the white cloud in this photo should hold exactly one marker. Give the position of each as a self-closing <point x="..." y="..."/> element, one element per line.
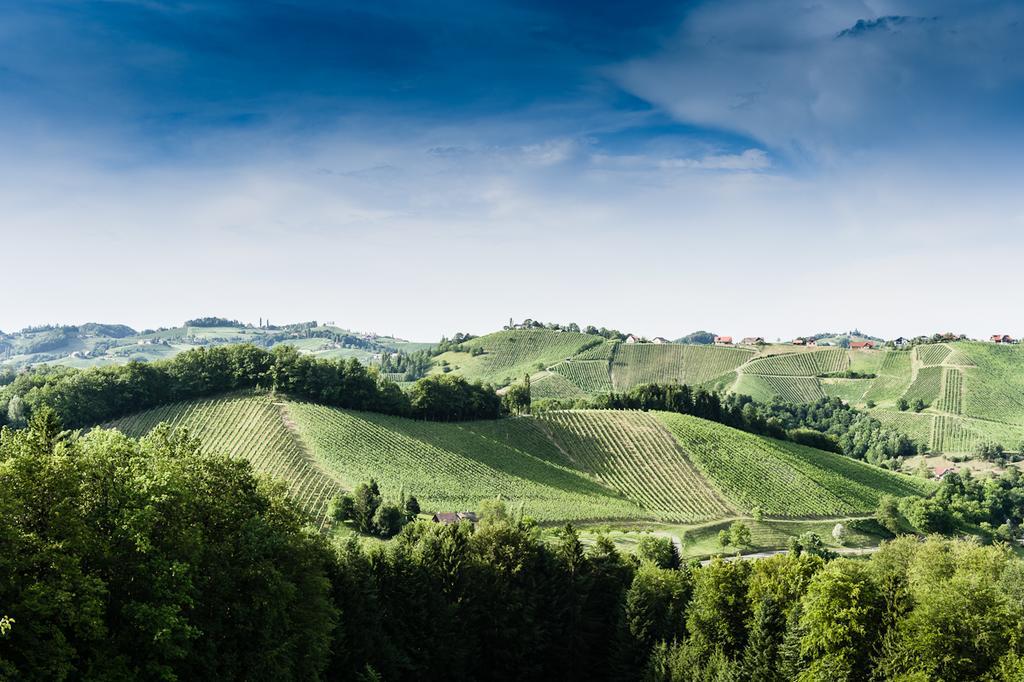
<point x="749" y="160"/>
<point x="782" y="73"/>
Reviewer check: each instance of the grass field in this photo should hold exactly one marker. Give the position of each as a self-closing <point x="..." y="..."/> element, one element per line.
<point x="251" y="427"/>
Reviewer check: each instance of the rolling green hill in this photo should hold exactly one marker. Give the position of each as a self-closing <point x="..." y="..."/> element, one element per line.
<point x="92" y="345"/>
<point x="972" y="391"/>
<point x="567" y="465"/>
<point x="783" y="478"/>
<point x="509" y="355"/>
<point x="253" y="427"/>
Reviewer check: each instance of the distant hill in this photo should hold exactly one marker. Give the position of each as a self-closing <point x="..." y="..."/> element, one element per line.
<point x="972" y="391"/>
<point x="94" y="344"/>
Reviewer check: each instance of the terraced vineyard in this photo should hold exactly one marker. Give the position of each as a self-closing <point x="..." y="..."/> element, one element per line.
<point x="251" y="427"/>
<point x="949" y="434"/>
<point x="804" y="364"/>
<point x="932" y="354"/>
<point x="927" y="386"/>
<point x="952" y="391"/>
<point x="590" y="376"/>
<point x="553" y="385"/>
<point x="781" y="478"/>
<point x="849" y="390"/>
<point x="789" y="388"/>
<point x="632" y="452"/>
<point x="509" y="355"/>
<point x="646" y="363"/>
<point x="602" y="351"/>
<point x="996" y="383"/>
<point x="915" y="425"/>
<point x="894" y="377"/>
<point x="453" y="467"/>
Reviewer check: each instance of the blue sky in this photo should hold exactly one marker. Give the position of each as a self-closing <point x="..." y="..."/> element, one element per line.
<point x="752" y="167"/>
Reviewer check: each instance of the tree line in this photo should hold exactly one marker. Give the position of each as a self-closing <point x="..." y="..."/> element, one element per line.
<point x="92" y="396"/>
<point x="826" y="424"/>
<point x="143" y="559"/>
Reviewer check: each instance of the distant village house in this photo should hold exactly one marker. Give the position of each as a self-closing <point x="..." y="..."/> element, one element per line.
<point x="632" y="338"/>
<point x="723" y="340"/>
<point x="753" y="341"/>
<point x="660" y="340"/>
<point x="799" y="341"/>
<point x="1002" y="338"/>
<point x="449" y="518"/>
<point x="941" y="472"/>
<point x="899" y="342"/>
<point x="862" y="345"/>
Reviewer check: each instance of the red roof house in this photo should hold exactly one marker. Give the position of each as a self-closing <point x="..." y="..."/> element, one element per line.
<point x="940" y="472"/>
<point x="862" y="345"/>
<point x="723" y="340"/>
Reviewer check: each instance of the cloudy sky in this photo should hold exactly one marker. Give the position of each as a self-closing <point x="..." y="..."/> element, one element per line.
<point x="419" y="168"/>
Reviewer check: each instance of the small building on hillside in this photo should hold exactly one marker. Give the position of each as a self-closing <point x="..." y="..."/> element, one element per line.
<point x="899" y="342"/>
<point x="799" y="341"/>
<point x="862" y="345"/>
<point x="660" y="340"/>
<point x="753" y="341"/>
<point x="449" y="518"/>
<point x="812" y="342"/>
<point x="632" y="338"/>
<point x="723" y="340"/>
<point x="942" y="472"/>
<point x="1002" y="338"/>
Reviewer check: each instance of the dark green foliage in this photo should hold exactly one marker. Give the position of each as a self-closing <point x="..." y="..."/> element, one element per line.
<point x="660" y="551"/>
<point x="213" y="322"/>
<point x="87" y="397"/>
<point x="701" y="338"/>
<point x="147" y="559"/>
<point x="517" y="397"/>
<point x="814" y="439"/>
<point x="447" y="397"/>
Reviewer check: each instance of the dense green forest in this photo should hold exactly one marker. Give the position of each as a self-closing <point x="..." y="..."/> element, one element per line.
<point x="87" y="397"/>
<point x="150" y="559"/>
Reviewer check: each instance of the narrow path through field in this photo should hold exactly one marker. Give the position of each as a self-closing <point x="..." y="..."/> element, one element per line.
<point x="841" y="551"/>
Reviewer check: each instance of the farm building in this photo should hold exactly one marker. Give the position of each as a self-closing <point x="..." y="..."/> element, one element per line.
<point x="753" y="340"/>
<point x="660" y="340"/>
<point x="800" y="341"/>
<point x="449" y="518"/>
<point x="899" y="342"/>
<point x="1002" y="338"/>
<point x="940" y="472"/>
<point x="632" y="338"/>
<point x="723" y="340"/>
<point x="862" y="345"/>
